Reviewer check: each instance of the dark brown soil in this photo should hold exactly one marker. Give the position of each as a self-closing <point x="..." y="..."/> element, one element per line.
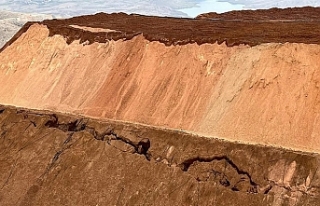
<point x="294" y="14"/>
<point x="54" y="159"/>
<point x="234" y="28"/>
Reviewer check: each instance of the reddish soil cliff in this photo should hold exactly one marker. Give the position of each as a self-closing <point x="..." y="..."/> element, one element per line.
<point x="255" y="92"/>
<point x="165" y="81"/>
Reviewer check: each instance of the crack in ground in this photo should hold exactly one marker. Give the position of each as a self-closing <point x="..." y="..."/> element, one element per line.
<point x="56" y="156"/>
<point x="78" y="125"/>
<point x="142" y="148"/>
<point x="73" y="126"/>
<point x="224" y="171"/>
<point x="223" y="180"/>
<point x="64" y="147"/>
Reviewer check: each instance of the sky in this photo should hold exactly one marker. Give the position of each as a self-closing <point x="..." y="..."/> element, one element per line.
<point x="176" y="8"/>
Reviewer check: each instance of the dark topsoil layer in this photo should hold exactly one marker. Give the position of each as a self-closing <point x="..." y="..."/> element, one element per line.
<point x="294" y="14"/>
<point x="299" y="25"/>
<point x="57" y="159"/>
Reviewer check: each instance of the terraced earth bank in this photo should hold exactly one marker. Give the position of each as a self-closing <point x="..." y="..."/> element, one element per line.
<point x="128" y="109"/>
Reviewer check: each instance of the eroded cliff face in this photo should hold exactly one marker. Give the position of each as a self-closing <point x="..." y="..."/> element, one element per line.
<point x="163" y="111"/>
<point x="58" y="159"/>
<point x="265" y="94"/>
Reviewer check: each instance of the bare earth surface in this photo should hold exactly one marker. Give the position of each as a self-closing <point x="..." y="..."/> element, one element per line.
<point x="265" y="94"/>
<point x="55" y="159"/>
<point x="166" y="82"/>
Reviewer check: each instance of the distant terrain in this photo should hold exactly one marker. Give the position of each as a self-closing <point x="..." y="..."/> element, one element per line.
<point x="11" y="22"/>
<point x="266" y="4"/>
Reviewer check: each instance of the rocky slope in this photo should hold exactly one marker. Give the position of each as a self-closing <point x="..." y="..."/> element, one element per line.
<point x="144" y="90"/>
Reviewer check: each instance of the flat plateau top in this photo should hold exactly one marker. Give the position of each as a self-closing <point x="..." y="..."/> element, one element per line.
<point x="298" y="25"/>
